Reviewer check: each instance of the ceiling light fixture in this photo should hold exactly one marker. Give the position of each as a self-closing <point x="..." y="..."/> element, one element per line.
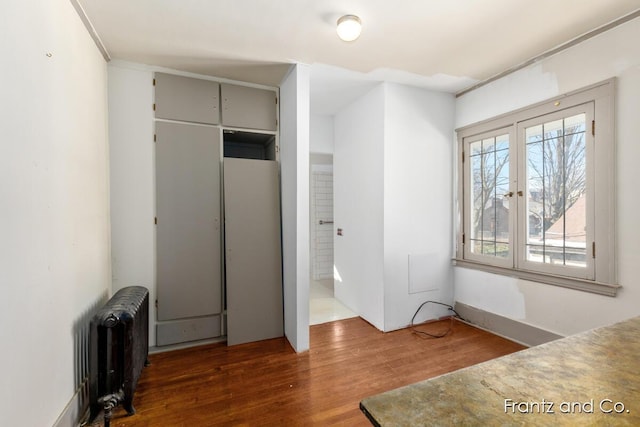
<point x="349" y="27"/>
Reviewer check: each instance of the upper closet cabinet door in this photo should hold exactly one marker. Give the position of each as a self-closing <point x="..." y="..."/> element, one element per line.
<point x="248" y="107"/>
<point x="186" y="99"/>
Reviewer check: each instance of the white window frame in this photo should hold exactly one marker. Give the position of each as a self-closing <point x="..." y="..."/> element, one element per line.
<point x="521" y="261"/>
<point x="468" y="254"/>
<point x="600" y="275"/>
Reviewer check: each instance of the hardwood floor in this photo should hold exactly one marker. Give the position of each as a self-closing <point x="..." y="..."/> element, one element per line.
<point x="267" y="383"/>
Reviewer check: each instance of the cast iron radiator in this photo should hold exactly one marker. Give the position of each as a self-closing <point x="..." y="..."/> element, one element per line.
<point x="118" y="351"/>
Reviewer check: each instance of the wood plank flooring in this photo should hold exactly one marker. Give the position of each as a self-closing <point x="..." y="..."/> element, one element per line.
<point x="268" y="384"/>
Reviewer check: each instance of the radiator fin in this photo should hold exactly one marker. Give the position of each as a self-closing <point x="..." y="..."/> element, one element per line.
<point x="119" y="349"/>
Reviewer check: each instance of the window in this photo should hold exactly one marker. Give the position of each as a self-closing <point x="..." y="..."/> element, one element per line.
<point x="488" y="182"/>
<point x="536" y="192"/>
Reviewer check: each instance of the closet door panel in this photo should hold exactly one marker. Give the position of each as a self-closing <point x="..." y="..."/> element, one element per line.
<point x="248" y="107"/>
<point x="187" y="99"/>
<point x="253" y="254"/>
<point x="188" y="221"/>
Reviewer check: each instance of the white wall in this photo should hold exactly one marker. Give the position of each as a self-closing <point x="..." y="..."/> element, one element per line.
<point x="132" y="168"/>
<point x="294" y="164"/>
<point x="418" y="160"/>
<point x="392" y="193"/>
<point x="358" y="165"/>
<point x="559" y="310"/>
<point x="321" y="134"/>
<point x="54" y="198"/>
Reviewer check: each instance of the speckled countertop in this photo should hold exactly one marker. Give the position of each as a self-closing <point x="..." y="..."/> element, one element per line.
<point x="589" y="379"/>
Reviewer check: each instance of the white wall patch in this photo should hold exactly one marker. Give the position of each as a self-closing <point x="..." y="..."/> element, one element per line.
<point x="421" y="269"/>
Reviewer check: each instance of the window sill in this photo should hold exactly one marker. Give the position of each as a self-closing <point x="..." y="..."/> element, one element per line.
<point x="548" y="279"/>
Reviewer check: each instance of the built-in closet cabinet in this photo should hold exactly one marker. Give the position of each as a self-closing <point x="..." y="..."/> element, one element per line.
<point x="186" y="99"/>
<point x="248" y="107"/>
<point x="188" y="232"/>
<point x="252" y="250"/>
<point x="218" y="212"/>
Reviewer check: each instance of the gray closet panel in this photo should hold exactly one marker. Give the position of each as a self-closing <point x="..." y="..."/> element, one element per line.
<point x="187" y="99"/>
<point x="248" y="107"/>
<point x="188" y="213"/>
<point x="253" y="254"/>
<point x="180" y="331"/>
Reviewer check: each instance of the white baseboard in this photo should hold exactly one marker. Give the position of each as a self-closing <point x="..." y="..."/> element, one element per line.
<point x="511" y="329"/>
<point x="76" y="409"/>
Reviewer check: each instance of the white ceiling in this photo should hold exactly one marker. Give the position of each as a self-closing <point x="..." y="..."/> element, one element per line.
<point x="445" y="45"/>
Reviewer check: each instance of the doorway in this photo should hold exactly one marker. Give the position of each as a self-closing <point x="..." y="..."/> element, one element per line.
<point x="323" y="307"/>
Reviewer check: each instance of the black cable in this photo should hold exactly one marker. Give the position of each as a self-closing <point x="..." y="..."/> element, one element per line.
<point x="427" y="334"/>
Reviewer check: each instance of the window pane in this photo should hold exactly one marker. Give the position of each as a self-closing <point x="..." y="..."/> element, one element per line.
<point x="476" y="197"/>
<point x="488" y="145"/>
<point x="501" y="198"/>
<point x="488" y="248"/>
<point x="533" y="134"/>
<point x="475" y="148"/>
<point x="556" y="187"/>
<point x="502" y="142"/>
<point x="574" y="124"/>
<point x="535" y="191"/>
<point x="489" y="199"/>
<point x="553" y="200"/>
<point x="552" y="129"/>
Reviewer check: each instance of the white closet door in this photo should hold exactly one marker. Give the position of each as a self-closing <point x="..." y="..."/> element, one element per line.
<point x="188" y="213"/>
<point x="253" y="254"/>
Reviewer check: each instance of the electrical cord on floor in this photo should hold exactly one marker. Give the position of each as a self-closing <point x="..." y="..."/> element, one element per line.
<point x="430" y="335"/>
